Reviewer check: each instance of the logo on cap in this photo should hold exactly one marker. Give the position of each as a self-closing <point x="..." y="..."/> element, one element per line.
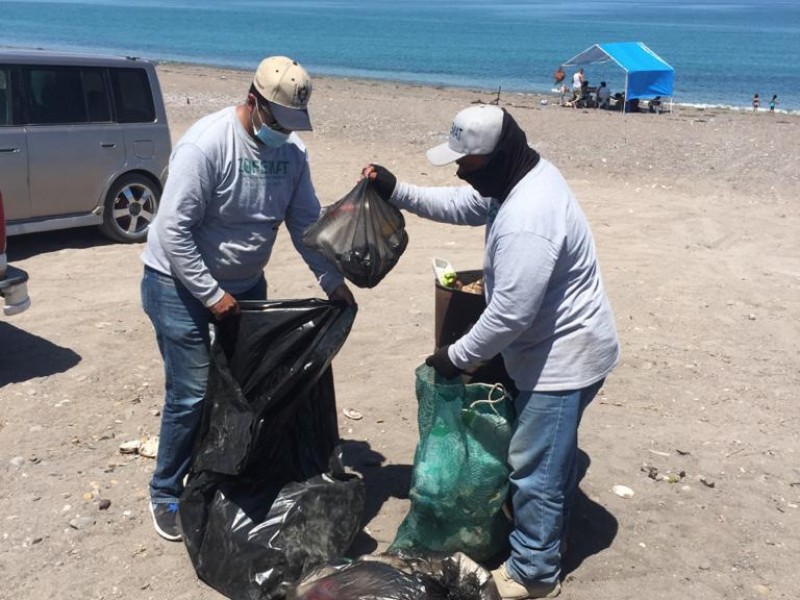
<point x="475" y="130"/>
<point x="301" y="95"/>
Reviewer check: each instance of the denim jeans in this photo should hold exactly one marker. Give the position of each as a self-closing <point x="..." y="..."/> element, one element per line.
<point x="543" y="456"/>
<point x="181" y="323"/>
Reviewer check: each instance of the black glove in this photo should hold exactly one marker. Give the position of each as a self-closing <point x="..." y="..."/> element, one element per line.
<point x="384" y="182"/>
<point x="442" y="363"/>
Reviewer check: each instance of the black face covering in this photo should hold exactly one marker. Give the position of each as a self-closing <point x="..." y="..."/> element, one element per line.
<point x="483" y="180"/>
<point x="510" y="161"/>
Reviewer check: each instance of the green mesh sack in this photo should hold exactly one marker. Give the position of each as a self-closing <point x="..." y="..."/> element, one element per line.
<point x="460" y="477"/>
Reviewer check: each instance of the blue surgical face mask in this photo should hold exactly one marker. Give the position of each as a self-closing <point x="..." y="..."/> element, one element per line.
<point x="272" y="138"/>
<point x="269" y="137"/>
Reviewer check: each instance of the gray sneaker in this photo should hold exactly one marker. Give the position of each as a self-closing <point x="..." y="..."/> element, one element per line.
<point x="165" y="520"/>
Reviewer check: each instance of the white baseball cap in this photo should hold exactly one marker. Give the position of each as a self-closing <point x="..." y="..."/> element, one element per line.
<point x="475" y="130"/>
<point x="286" y="87"/>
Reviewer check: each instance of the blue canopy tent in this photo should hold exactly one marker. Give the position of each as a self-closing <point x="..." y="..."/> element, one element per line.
<point x="647" y="75"/>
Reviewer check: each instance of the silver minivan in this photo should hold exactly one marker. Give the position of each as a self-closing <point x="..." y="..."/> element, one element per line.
<point x="84" y="140"/>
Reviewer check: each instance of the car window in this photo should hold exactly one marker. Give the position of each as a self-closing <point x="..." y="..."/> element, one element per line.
<point x="54" y="95"/>
<point x="5" y="97"/>
<point x="132" y="96"/>
<point x="97" y="100"/>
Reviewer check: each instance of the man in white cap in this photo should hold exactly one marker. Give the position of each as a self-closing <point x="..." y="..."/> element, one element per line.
<point x="547" y="314"/>
<point x="234" y="178"/>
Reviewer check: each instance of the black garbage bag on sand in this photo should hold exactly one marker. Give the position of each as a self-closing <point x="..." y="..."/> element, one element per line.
<point x="267" y="499"/>
<point x="399" y="577"/>
<point x="254" y="545"/>
<point x="362" y="234"/>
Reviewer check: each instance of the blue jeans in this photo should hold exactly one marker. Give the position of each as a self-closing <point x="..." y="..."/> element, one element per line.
<point x="543" y="456"/>
<point x="181" y="323"/>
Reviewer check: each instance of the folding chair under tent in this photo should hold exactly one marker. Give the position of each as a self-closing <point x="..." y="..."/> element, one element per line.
<point x="647" y="75"/>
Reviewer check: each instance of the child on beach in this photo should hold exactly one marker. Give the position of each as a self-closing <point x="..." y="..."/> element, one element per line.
<point x="564" y="92"/>
<point x="773" y="103"/>
<point x="755" y="102"/>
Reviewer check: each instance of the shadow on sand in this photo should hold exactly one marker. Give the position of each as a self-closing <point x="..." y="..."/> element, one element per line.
<point x="381" y="482"/>
<point x="592" y="528"/>
<point x="24" y="356"/>
<point x="21" y="247"/>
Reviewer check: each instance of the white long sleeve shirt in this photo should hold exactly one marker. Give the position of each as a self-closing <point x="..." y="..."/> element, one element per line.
<point x="224" y="201"/>
<point x="547" y="311"/>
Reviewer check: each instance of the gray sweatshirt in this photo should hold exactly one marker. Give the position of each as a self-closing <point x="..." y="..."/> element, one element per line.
<point x="222" y="206"/>
<point x="547" y="311"/>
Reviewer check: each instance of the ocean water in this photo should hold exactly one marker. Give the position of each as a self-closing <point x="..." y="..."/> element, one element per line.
<point x="723" y="51"/>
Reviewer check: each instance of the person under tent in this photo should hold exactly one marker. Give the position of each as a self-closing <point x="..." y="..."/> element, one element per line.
<point x="603" y="95"/>
<point x="654" y="106"/>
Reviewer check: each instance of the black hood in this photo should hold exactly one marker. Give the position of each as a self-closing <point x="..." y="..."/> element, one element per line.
<point x="510" y="161"/>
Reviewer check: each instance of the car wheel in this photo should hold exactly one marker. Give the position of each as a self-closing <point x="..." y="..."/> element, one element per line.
<point x="130" y="207"/>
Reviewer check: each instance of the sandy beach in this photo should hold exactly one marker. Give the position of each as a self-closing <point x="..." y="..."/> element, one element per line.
<point x="696" y="217"/>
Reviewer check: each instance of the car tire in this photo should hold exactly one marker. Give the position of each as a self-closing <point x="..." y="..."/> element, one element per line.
<point x="131" y="205"/>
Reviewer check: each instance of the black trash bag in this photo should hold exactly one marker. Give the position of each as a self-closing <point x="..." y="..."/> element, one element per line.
<point x="266" y="498"/>
<point x="361" y="580"/>
<point x="255" y="545"/>
<point x="270" y="390"/>
<point x="362" y="234"/>
<point x="399" y="577"/>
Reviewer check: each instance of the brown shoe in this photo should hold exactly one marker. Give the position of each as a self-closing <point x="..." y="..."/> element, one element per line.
<point x="511" y="589"/>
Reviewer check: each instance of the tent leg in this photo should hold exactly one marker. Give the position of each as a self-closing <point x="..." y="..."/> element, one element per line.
<point x="625" y="104"/>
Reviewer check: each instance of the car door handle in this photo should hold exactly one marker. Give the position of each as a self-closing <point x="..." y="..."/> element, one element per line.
<point x="108" y="145"/>
<point x="10" y="150"/>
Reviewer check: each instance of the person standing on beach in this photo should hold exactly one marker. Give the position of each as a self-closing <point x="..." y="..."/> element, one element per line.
<point x="603" y="95"/>
<point x="547" y="313"/>
<point x="755" y="102"/>
<point x="234" y="178"/>
<point x="577" y="82"/>
<point x="773" y="103"/>
<point x="559" y="76"/>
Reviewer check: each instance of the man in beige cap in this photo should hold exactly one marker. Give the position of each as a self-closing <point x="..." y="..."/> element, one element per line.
<point x="234" y="178"/>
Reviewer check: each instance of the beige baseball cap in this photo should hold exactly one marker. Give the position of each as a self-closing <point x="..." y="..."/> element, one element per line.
<point x="475" y="130"/>
<point x="286" y="87"/>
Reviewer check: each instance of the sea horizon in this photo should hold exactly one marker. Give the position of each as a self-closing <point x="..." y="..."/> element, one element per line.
<point x="723" y="51"/>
